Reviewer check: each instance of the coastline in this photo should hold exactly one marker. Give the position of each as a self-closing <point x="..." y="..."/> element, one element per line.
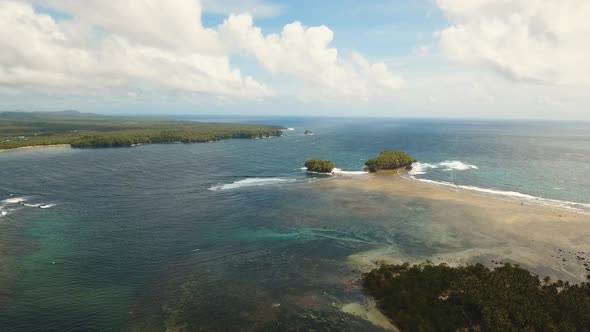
<point x="510" y="196"/>
<point x="470" y="226"/>
<point x="35" y="147"/>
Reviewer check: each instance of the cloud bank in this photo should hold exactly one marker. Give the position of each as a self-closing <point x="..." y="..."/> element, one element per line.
<point x="305" y="53"/>
<point x="537" y="40"/>
<point x="164" y="45"/>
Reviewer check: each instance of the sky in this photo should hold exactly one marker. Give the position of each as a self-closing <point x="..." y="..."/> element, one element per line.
<point x="521" y="59"/>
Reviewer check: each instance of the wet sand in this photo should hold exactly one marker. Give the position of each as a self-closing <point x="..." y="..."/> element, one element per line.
<point x="478" y="227"/>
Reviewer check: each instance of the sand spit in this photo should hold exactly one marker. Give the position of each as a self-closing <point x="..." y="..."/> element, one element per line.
<point x="470" y="227"/>
<point x="35" y="147"/>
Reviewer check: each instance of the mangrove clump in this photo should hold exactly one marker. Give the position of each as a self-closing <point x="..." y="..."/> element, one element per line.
<point x="390" y="159"/>
<point x="319" y="166"/>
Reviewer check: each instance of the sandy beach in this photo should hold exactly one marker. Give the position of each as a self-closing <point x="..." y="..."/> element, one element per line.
<point x="35" y="147"/>
<point x="472" y="227"/>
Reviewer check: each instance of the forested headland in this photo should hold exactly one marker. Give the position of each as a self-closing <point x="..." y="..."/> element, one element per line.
<point x="430" y="297"/>
<point x="86" y="130"/>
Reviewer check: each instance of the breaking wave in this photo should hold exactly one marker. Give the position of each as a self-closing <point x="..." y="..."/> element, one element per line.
<point x="23" y="201"/>
<point x="419" y="168"/>
<point x="515" y="195"/>
<point x="251" y="182"/>
<point x="456" y="165"/>
<point x="32" y="205"/>
<point x="338" y="171"/>
<point x="14" y="200"/>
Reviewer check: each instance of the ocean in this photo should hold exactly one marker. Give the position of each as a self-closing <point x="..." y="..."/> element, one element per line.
<point x="234" y="233"/>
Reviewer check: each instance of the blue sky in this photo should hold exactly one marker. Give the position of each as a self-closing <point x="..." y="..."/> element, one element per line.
<point x="397" y="58"/>
<point x="378" y="28"/>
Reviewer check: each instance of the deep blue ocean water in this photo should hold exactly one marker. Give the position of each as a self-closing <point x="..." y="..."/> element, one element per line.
<point x="100" y="239"/>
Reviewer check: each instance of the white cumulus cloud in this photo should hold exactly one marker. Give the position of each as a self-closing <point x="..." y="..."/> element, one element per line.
<point x="130" y="44"/>
<point x="38" y="51"/>
<point x="537" y="40"/>
<point x="305" y="53"/>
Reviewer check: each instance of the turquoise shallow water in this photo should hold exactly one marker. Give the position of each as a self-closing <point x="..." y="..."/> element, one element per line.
<point x="236" y="220"/>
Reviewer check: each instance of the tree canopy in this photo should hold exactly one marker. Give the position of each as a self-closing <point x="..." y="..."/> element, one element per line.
<point x="320" y="166"/>
<point x="18" y="129"/>
<point x="430" y="297"/>
<point x="390" y="159"/>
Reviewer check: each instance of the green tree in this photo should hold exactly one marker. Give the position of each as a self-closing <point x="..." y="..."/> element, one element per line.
<point x="430" y="297"/>
<point x="320" y="166"/>
<point x="390" y="159"/>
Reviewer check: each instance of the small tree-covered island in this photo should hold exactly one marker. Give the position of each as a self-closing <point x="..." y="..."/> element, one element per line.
<point x="389" y="160"/>
<point x="429" y="297"/>
<point x="319" y="166"/>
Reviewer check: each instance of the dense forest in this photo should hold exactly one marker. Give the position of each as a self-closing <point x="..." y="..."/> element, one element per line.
<point x="318" y="165"/>
<point x="390" y="159"/>
<point x="430" y="297"/>
<point x="19" y="129"/>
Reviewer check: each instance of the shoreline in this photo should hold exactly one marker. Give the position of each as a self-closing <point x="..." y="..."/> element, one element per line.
<point x="512" y="196"/>
<point x="28" y="147"/>
<point x="508" y="195"/>
<point x="123" y="146"/>
<point x="461" y="226"/>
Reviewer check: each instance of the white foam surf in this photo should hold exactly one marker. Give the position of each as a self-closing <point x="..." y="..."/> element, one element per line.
<point x="419" y="168"/>
<point x="250" y="182"/>
<point x="24" y="202"/>
<point x="338" y="171"/>
<point x="456" y="165"/>
<point x="312" y="172"/>
<point x="585" y="207"/>
<point x="33" y="205"/>
<point x="14" y="200"/>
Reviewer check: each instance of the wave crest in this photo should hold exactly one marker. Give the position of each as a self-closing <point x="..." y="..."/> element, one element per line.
<point x="515" y="195"/>
<point x="338" y="171"/>
<point x="14" y="200"/>
<point x="419" y="168"/>
<point x="250" y="182"/>
<point x="456" y="165"/>
<point x="23" y="201"/>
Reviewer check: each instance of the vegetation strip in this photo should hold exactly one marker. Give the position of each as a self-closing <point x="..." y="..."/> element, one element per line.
<point x="86" y="130"/>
